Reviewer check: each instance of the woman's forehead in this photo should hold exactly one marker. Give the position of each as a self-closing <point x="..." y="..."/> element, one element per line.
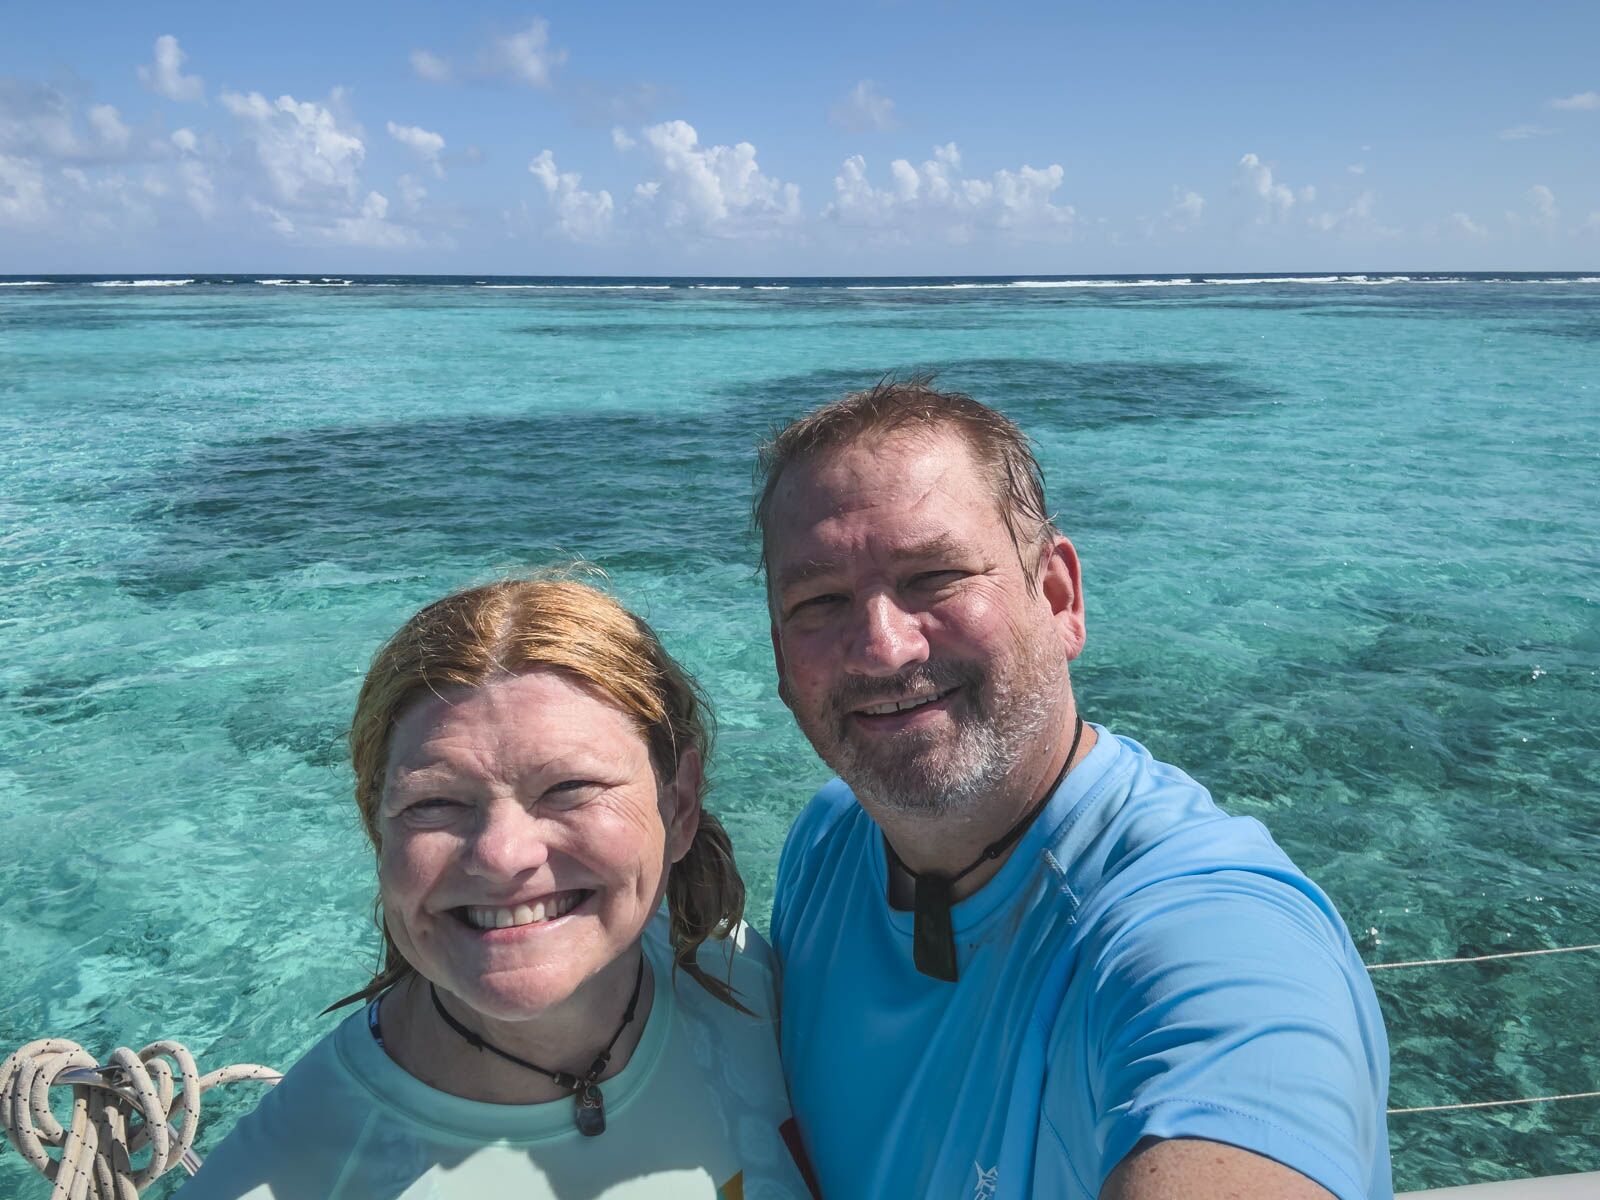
<point x="516" y="717"/>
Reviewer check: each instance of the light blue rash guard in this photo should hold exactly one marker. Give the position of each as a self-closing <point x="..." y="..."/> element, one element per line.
<point x="1143" y="965"/>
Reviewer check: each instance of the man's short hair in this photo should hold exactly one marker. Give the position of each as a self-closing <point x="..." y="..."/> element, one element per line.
<point x="1002" y="453"/>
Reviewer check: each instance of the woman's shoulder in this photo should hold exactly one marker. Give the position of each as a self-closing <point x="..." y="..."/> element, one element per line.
<point x="741" y="958"/>
<point x="294" y="1142"/>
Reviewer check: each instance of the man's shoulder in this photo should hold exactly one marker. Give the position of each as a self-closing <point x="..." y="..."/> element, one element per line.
<point x="829" y="813"/>
<point x="1145" y="820"/>
<point x="830" y="826"/>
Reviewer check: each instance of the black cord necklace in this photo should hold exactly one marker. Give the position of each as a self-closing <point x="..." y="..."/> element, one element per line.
<point x="933" y="939"/>
<point x="589" y="1104"/>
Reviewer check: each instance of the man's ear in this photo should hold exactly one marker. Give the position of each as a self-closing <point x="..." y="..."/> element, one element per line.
<point x="683" y="818"/>
<point x="1061" y="584"/>
<point x="777" y="661"/>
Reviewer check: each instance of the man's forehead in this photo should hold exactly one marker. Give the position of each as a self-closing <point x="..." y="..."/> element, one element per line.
<point x="911" y="457"/>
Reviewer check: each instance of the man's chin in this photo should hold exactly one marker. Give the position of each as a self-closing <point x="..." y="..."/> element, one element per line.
<point x="905" y="786"/>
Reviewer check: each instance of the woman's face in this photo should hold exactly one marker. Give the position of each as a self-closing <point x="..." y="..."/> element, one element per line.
<point x="525" y="840"/>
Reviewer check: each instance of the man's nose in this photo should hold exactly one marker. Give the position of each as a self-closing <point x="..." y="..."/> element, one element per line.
<point x="509" y="841"/>
<point x="887" y="638"/>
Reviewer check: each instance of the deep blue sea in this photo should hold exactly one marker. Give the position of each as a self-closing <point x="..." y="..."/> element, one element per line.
<point x="1341" y="546"/>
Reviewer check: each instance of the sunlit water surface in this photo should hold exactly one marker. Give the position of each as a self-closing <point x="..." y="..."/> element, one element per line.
<point x="1340" y="551"/>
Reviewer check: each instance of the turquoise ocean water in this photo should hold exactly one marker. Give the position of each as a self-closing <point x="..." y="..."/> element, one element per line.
<point x="1341" y="544"/>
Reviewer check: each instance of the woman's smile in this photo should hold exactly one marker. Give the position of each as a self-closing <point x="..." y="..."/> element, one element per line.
<point x="540" y="913"/>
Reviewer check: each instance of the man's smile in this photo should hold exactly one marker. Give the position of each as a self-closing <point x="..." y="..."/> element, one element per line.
<point x="890" y="716"/>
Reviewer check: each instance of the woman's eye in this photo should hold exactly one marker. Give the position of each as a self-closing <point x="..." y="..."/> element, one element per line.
<point x="573" y="789"/>
<point x="431" y="808"/>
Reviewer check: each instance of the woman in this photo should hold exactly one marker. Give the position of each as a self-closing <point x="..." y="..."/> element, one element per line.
<point x="529" y="767"/>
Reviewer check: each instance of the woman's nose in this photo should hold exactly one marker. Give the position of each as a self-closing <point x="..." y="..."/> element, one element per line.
<point x="887" y="638"/>
<point x="509" y="841"/>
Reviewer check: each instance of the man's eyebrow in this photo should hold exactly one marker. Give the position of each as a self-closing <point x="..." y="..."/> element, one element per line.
<point x="941" y="546"/>
<point x="803" y="573"/>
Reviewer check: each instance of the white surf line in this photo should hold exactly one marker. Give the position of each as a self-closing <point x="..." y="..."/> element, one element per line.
<point x="1439" y="962"/>
<point x="1393" y="1112"/>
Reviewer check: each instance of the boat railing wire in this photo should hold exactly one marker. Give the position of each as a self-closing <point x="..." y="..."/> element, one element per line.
<point x="1479" y="958"/>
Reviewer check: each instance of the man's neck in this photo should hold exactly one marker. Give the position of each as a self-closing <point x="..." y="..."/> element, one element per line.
<point x="950" y="842"/>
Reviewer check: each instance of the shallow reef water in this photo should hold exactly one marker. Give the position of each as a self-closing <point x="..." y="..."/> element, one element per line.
<point x="1339" y="546"/>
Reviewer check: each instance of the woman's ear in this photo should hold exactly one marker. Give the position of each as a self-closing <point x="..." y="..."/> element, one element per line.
<point x="683" y="813"/>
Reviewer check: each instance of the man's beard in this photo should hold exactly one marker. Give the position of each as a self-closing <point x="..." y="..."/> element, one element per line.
<point x="999" y="713"/>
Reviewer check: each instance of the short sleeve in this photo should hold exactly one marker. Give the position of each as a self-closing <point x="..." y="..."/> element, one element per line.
<point x="1230" y="1006"/>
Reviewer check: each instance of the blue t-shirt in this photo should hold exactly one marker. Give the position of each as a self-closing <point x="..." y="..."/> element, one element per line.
<point x="1143" y="965"/>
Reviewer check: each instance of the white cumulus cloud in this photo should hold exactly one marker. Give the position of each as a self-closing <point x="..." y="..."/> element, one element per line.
<point x="939" y="199"/>
<point x="1545" y="213"/>
<point x="428" y="65"/>
<point x="1464" y="225"/>
<point x="22" y="193"/>
<point x="370" y="227"/>
<point x="1186" y="210"/>
<point x="719" y="191"/>
<point x="302" y="149"/>
<point x="108" y="126"/>
<point x="165" y="76"/>
<point x="412" y="192"/>
<point x="38" y="121"/>
<point x="1357" y="221"/>
<point x="864" y="110"/>
<point x="526" y="57"/>
<point x="198" y="187"/>
<point x="425" y="144"/>
<point x="581" y="216"/>
<point x="1585" y="101"/>
<point x="1275" y="198"/>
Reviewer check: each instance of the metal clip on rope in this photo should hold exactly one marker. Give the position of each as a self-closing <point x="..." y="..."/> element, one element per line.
<point x="97" y="1145"/>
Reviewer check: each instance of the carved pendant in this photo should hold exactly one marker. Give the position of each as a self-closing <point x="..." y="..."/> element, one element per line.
<point x="589" y="1110"/>
<point x="933" y="941"/>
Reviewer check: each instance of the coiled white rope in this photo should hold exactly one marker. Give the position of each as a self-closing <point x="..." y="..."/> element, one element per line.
<point x="97" y="1147"/>
<point x="1440" y="962"/>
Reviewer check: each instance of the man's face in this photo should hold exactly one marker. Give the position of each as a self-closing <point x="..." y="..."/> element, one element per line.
<point x="910" y="645"/>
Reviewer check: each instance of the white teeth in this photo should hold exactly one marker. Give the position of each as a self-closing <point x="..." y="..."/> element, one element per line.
<point x="523" y="914"/>
<point x="894" y="706"/>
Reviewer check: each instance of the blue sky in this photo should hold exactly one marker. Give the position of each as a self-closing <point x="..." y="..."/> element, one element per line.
<point x="866" y="138"/>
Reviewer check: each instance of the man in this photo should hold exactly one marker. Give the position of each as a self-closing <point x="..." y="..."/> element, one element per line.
<point x="1021" y="956"/>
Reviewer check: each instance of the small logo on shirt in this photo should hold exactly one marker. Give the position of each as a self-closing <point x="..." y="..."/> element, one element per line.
<point x="988" y="1182"/>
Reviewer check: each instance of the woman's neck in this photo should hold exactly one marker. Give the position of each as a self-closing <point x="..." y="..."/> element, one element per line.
<point x="566" y="1038"/>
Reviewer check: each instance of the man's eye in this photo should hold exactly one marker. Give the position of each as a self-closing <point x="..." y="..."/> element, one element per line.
<point x="936" y="579"/>
<point x="815" y="603"/>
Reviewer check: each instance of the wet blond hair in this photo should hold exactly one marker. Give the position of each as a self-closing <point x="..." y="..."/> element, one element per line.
<point x="474" y="636"/>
